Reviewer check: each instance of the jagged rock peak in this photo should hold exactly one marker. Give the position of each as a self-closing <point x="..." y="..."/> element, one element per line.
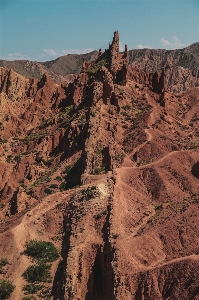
<point x="118" y="61"/>
<point x="115" y="42"/>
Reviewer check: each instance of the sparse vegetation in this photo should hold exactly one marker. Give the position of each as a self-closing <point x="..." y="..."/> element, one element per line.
<point x="44" y="177"/>
<point x="100" y="170"/>
<point x="97" y="66"/>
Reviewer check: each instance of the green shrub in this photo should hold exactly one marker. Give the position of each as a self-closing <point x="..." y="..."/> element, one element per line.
<point x="32" y="288"/>
<point x="3" y="262"/>
<point x="48" y="163"/>
<point x="38" y="273"/>
<point x="6" y="289"/>
<point x="67" y="169"/>
<point x="158" y="207"/>
<point x="38" y="159"/>
<point x="28" y="298"/>
<point x="42" y="250"/>
<point x="17" y="158"/>
<point x="53" y="186"/>
<point x="58" y="178"/>
<point x="45" y="293"/>
<point x="62" y="186"/>
<point x="48" y="191"/>
<point x="9" y="158"/>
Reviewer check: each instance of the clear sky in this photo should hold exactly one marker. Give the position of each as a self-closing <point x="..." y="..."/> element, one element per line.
<point x="45" y="29"/>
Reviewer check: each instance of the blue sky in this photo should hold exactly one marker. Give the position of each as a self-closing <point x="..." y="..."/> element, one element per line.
<point x="45" y="29"/>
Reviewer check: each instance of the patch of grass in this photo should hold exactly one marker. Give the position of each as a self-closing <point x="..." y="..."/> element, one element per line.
<point x="32" y="288"/>
<point x="34" y="136"/>
<point x="6" y="289"/>
<point x="42" y="250"/>
<point x="38" y="273"/>
<point x="45" y="176"/>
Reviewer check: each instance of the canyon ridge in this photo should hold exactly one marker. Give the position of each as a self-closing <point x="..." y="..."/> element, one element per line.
<point x="99" y="158"/>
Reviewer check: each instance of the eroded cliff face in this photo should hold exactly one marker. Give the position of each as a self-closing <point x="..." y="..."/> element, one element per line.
<point x="181" y="65"/>
<point x="105" y="167"/>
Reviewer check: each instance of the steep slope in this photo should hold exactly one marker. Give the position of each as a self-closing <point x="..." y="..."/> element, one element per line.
<point x="107" y="168"/>
<point x="181" y="65"/>
<point x="155" y="59"/>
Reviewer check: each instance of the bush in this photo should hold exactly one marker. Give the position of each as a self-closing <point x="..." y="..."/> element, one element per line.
<point x="17" y="158"/>
<point x="42" y="250"/>
<point x="32" y="288"/>
<point x="62" y="186"/>
<point x="53" y="186"/>
<point x="58" y="178"/>
<point x="48" y="191"/>
<point x="67" y="169"/>
<point x="6" y="289"/>
<point x="38" y="273"/>
<point x="28" y="298"/>
<point x="48" y="163"/>
<point x="3" y="262"/>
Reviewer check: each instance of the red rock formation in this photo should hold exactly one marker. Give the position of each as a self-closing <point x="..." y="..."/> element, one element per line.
<point x="118" y="61"/>
<point x="108" y="172"/>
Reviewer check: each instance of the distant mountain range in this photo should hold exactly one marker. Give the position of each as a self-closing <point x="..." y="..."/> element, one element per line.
<point x="181" y="65"/>
<point x="57" y="69"/>
<point x="148" y="60"/>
